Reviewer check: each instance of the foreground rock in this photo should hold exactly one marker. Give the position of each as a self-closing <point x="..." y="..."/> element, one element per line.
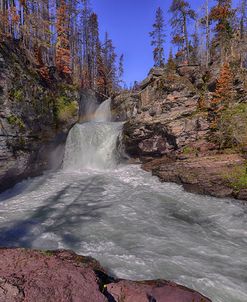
<point x="212" y="175"/>
<point x="33" y="276"/>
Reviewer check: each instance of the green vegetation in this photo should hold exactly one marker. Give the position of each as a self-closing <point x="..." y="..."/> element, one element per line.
<point x="232" y="127"/>
<point x="46" y="253"/>
<point x="16" y="121"/>
<point x="238" y="178"/>
<point x="189" y="150"/>
<point x="65" y="108"/>
<point x="17" y="94"/>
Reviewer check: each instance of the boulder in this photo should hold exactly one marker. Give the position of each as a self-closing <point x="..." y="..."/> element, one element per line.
<point x="36" y="276"/>
<point x="153" y="291"/>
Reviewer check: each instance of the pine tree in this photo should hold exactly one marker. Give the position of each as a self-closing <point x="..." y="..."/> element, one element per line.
<point x="171" y="65"/>
<point x="205" y="24"/>
<point x="222" y="14"/>
<point x="109" y="61"/>
<point x="62" y="34"/>
<point x="158" y="38"/>
<point x="85" y="15"/>
<point x="243" y="37"/>
<point x="93" y="45"/>
<point x="121" y="68"/>
<point x="62" y="46"/>
<point x="194" y="49"/>
<point x="223" y="95"/>
<point x="181" y="14"/>
<point x="101" y="80"/>
<point x="243" y="18"/>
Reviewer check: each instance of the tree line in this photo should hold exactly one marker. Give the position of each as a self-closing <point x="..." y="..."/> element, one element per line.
<point x="63" y="34"/>
<point x="219" y="33"/>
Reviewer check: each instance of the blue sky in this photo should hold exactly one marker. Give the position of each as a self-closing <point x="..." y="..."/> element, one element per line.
<point x="128" y="23"/>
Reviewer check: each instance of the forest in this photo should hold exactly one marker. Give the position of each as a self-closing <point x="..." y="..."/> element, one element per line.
<point x="65" y="35"/>
<point x="215" y="33"/>
<point x="147" y="180"/>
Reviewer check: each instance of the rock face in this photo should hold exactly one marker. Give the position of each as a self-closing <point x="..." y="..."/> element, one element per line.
<point x="33" y="123"/>
<point x="165" y="120"/>
<point x="204" y="175"/>
<point x="33" y="276"/>
<point x="168" y="128"/>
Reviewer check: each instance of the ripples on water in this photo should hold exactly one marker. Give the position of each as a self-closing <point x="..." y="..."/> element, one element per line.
<point x="135" y="226"/>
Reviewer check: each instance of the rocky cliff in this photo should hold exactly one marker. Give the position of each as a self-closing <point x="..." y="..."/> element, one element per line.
<point x="35" y="116"/>
<point x="168" y="130"/>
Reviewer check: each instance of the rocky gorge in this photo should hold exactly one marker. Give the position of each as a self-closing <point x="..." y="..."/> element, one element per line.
<point x="168" y="130"/>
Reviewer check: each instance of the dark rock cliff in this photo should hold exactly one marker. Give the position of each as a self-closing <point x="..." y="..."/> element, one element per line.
<point x="35" y="116"/>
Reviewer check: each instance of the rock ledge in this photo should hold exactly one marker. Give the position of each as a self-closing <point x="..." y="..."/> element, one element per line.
<point x="35" y="276"/>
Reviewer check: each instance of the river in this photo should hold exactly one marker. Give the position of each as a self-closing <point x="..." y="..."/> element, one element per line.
<point x="137" y="227"/>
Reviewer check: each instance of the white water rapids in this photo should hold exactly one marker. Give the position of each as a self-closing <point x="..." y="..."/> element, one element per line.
<point x="137" y="227"/>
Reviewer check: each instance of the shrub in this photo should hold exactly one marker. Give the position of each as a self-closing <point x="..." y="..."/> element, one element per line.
<point x="17" y="95"/>
<point x="238" y="178"/>
<point x="232" y="127"/>
<point x="65" y="109"/>
<point x="16" y="121"/>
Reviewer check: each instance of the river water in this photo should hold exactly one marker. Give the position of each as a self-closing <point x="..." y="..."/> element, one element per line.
<point x="135" y="226"/>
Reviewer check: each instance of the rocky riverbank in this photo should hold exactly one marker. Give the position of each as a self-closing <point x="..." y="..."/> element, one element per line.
<point x="35" y="276"/>
<point x="213" y="175"/>
<point x="168" y="129"/>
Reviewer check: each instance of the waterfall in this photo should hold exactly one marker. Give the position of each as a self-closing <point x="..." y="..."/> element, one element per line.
<point x="93" y="145"/>
<point x="103" y="113"/>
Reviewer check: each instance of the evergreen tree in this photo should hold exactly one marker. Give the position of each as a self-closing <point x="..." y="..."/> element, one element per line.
<point x="121" y="68"/>
<point x="194" y="49"/>
<point x="205" y="24"/>
<point x="243" y="18"/>
<point x="223" y="94"/>
<point x="93" y="36"/>
<point x="158" y="38"/>
<point x="243" y="37"/>
<point x="171" y="65"/>
<point x="109" y="61"/>
<point x="222" y="14"/>
<point x="181" y="14"/>
<point x="62" y="34"/>
<point x="62" y="46"/>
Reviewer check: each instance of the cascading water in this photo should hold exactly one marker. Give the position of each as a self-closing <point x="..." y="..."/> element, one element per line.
<point x="93" y="144"/>
<point x="135" y="226"/>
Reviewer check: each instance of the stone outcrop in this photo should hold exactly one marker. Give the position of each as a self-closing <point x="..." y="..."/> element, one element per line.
<point x="35" y="276"/>
<point x="33" y="121"/>
<point x="168" y="129"/>
<point x="163" y="119"/>
<point x="204" y="175"/>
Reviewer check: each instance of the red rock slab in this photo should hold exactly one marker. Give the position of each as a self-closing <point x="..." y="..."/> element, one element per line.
<point x="153" y="291"/>
<point x="32" y="276"/>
